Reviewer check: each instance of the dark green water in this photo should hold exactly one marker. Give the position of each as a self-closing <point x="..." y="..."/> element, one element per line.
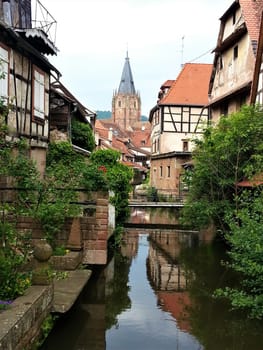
<point x="156" y="294"/>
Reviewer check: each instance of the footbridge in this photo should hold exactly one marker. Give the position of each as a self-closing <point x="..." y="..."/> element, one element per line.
<point x="142" y="204"/>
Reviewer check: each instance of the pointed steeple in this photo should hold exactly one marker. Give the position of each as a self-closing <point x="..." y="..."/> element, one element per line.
<point x="127" y="84"/>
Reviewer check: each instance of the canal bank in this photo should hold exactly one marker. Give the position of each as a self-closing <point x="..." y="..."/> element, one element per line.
<point x="57" y="281"/>
<point x="21" y="323"/>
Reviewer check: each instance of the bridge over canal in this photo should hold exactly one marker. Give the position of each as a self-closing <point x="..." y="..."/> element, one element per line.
<point x="141" y="204"/>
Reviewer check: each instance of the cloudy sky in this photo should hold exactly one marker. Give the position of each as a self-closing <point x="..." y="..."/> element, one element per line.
<point x="93" y="36"/>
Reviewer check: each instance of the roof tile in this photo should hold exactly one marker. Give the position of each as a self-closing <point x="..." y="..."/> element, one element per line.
<point x="190" y="87"/>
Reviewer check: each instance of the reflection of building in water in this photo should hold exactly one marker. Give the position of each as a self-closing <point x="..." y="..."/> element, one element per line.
<point x="139" y="216"/>
<point x="176" y="304"/>
<point x="165" y="272"/>
<point x="161" y="216"/>
<point x="166" y="275"/>
<point x="129" y="247"/>
<point x="170" y="242"/>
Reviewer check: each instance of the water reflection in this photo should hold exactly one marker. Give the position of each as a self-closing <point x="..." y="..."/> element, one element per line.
<point x="152" y="216"/>
<point x="210" y="319"/>
<point x="148" y="323"/>
<point x="156" y="293"/>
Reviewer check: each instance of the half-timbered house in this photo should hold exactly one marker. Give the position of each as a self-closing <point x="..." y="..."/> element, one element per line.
<point x="234" y="57"/>
<point x="25" y="82"/>
<point x="180" y="115"/>
<point x="65" y="108"/>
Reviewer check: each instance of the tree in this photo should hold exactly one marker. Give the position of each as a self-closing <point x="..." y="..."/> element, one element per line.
<point x="82" y="135"/>
<point x="245" y="238"/>
<point x="228" y="153"/>
<point x="117" y="177"/>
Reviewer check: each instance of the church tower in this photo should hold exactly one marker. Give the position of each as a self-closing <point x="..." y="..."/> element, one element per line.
<point x="126" y="102"/>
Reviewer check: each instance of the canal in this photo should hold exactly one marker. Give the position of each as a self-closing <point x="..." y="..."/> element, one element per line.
<point x="156" y="294"/>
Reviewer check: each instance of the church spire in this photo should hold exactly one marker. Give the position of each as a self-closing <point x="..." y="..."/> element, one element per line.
<point x="127" y="84"/>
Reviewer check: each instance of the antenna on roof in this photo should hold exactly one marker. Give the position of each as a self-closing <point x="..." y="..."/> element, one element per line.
<point x="182" y="52"/>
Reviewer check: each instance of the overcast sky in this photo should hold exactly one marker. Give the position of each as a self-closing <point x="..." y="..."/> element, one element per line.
<point x="93" y="36"/>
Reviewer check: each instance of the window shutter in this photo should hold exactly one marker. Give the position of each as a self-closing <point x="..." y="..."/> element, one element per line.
<point x="39" y="95"/>
<point x="3" y="73"/>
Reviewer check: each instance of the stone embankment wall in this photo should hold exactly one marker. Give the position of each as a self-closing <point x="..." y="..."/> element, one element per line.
<point x="88" y="233"/>
<point x="21" y="322"/>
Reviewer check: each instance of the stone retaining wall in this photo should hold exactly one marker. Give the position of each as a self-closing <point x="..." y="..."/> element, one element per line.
<point x="21" y="322"/>
<point x="89" y="233"/>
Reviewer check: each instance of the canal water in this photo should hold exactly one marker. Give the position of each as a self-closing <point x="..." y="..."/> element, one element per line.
<point x="156" y="294"/>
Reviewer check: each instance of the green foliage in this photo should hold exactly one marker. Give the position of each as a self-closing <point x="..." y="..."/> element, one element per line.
<point x="46" y="327"/>
<point x="82" y="135"/>
<point x="246" y="240"/>
<point x="14" y="251"/>
<point x="107" y="157"/>
<point x="59" y="251"/>
<point x="63" y="176"/>
<point x="152" y="194"/>
<point x="94" y="178"/>
<point x="117" y="177"/>
<point x="60" y="152"/>
<point x="228" y="152"/>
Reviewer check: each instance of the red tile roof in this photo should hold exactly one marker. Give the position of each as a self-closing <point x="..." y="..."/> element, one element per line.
<point x="251" y="11"/>
<point x="257" y="180"/>
<point x="167" y="83"/>
<point x="190" y="87"/>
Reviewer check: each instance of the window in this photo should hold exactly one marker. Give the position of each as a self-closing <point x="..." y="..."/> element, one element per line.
<point x="235" y="52"/>
<point x="168" y="171"/>
<point x="161" y="171"/>
<point x="119" y="103"/>
<point x="4" y="62"/>
<point x="220" y="62"/>
<point x="39" y="94"/>
<point x="224" y="108"/>
<point x="185" y="146"/>
<point x="234" y="18"/>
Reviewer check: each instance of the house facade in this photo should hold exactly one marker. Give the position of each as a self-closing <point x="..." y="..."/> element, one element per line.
<point x="180" y="115"/>
<point x="234" y="58"/>
<point x="25" y="82"/>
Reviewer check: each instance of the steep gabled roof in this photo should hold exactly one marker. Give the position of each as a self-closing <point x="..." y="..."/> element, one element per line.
<point x="190" y="87"/>
<point x="127" y="84"/>
<point x="251" y="11"/>
<point x="167" y="84"/>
